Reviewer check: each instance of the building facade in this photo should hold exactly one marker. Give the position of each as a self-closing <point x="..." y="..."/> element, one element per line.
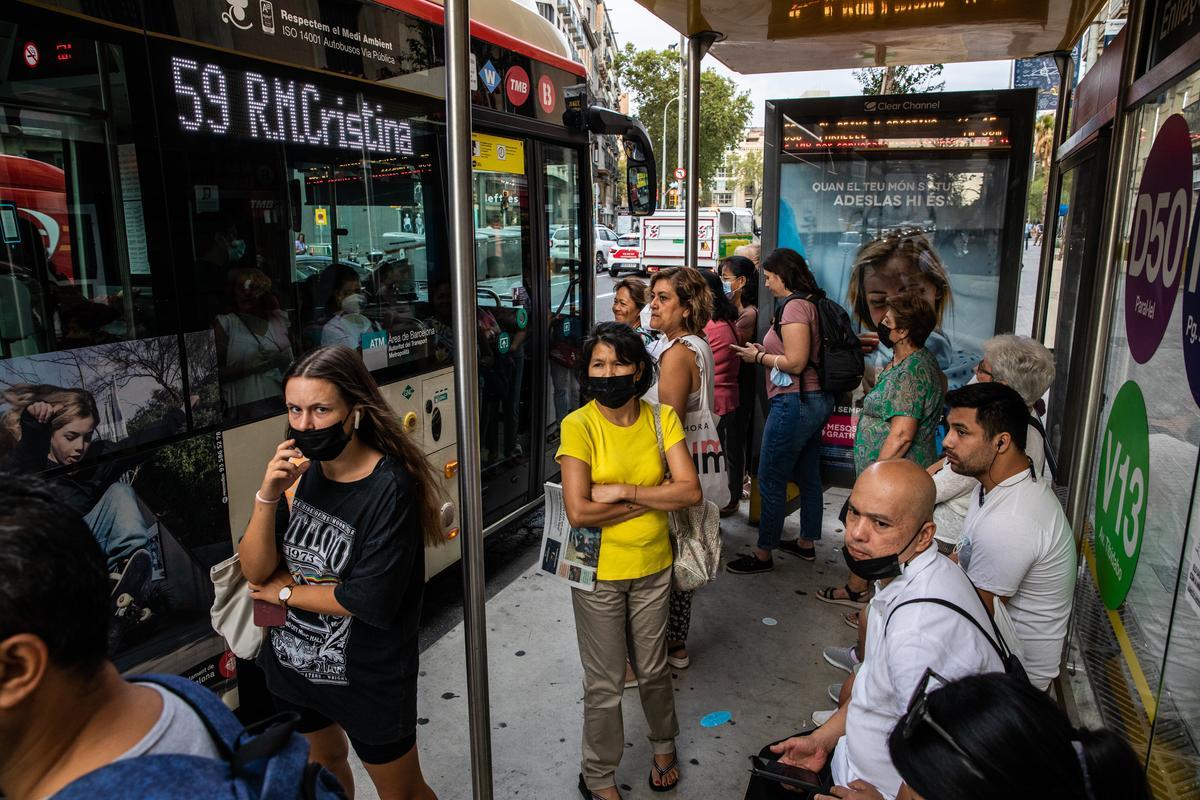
<point x="734" y="184"/>
<point x="589" y="31"/>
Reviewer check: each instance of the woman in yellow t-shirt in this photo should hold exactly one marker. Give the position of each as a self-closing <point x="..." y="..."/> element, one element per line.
<point x="613" y="479"/>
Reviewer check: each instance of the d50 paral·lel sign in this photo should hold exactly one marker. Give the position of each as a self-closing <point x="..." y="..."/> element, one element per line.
<point x="1158" y="238"/>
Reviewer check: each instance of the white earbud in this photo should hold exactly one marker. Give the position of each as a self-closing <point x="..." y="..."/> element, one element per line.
<point x="357" y="419"/>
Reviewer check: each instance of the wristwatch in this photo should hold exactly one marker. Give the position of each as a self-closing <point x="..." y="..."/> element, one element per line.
<point x="285" y="594"/>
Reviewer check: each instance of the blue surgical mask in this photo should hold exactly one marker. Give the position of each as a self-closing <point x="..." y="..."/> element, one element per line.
<point x="728" y="287"/>
<point x="780" y="378"/>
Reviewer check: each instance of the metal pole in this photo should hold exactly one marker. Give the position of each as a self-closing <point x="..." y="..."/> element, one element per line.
<point x="662" y="177"/>
<point x="698" y="45"/>
<point x="679" y="133"/>
<point x="466" y="386"/>
<point x="1041" y="305"/>
<point x="1096" y="355"/>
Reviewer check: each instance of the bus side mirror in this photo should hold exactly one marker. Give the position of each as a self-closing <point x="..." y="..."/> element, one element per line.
<point x="640" y="178"/>
<point x="641" y="196"/>
<point x="640" y="173"/>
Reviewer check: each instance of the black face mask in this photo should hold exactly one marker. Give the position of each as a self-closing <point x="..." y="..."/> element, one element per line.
<point x="885" y="336"/>
<point x="322" y="444"/>
<point x="612" y="392"/>
<point x="877" y="569"/>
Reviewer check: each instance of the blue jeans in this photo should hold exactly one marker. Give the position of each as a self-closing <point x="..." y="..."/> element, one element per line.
<point x="791" y="450"/>
<point x="118" y="524"/>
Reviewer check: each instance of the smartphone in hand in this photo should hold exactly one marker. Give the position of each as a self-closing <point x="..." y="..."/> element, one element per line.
<point x="269" y="615"/>
<point x="787" y="775"/>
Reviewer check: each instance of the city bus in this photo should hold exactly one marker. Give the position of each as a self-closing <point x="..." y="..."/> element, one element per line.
<point x="193" y="194"/>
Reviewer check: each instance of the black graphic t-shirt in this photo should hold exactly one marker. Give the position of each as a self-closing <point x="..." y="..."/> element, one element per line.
<point x="363" y="538"/>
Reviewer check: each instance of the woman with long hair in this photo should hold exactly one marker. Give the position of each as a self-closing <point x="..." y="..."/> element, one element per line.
<point x="48" y="426"/>
<point x="900" y="261"/>
<point x="990" y="737"/>
<point x="345" y="558"/>
<point x="680" y="307"/>
<point x="613" y="479"/>
<point x="722" y="334"/>
<point x="739" y="279"/>
<point x="791" y="438"/>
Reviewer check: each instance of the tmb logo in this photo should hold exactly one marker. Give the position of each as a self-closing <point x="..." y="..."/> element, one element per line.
<point x="516" y="85"/>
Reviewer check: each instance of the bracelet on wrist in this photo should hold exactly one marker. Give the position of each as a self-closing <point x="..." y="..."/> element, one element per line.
<point x="258" y="496"/>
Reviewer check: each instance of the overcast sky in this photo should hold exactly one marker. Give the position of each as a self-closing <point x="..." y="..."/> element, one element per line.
<point x="636" y="25"/>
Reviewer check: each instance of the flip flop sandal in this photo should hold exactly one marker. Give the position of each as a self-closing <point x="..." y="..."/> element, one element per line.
<point x="587" y="793"/>
<point x="852" y="599"/>
<point x="662" y="774"/>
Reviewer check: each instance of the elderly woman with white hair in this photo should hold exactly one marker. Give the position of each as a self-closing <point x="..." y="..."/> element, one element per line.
<point x="1028" y="367"/>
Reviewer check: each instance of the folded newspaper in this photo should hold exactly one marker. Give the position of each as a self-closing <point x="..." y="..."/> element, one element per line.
<point x="570" y="554"/>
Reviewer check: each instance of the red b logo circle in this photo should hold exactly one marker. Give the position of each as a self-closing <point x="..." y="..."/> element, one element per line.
<point x="516" y="85"/>
<point x="545" y="95"/>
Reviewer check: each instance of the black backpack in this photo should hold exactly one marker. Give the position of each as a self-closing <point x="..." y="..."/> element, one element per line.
<point x="840" y="366"/>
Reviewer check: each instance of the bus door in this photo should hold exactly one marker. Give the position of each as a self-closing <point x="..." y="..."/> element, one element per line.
<point x="566" y="289"/>
<point x="505" y="287"/>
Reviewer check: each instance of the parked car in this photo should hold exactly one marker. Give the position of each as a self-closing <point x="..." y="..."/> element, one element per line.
<point x="561" y="250"/>
<point x="627" y="255"/>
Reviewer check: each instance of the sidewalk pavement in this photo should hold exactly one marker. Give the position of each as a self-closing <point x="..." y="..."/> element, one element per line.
<point x="755" y="644"/>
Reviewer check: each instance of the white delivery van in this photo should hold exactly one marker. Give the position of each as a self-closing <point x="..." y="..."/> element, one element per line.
<point x="663" y="240"/>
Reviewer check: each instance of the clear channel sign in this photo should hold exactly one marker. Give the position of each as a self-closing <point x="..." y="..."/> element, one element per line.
<point x="1122" y="487"/>
<point x="1158" y="238"/>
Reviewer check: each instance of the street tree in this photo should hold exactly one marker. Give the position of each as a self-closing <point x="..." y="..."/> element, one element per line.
<point x="747" y="170"/>
<point x="652" y="79"/>
<point x="901" y="79"/>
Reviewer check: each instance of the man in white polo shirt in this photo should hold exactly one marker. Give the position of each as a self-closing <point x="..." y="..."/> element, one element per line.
<point x="889" y="539"/>
<point x="1016" y="544"/>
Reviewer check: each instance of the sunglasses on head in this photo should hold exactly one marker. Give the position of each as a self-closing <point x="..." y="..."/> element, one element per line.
<point x="918" y="715"/>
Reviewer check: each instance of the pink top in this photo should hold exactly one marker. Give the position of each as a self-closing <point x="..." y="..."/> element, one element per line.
<point x="796" y="311"/>
<point x="726" y="364"/>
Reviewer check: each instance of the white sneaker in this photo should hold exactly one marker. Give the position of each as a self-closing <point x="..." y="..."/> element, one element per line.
<point x="819" y="718"/>
<point x="844" y="658"/>
<point x="835" y="691"/>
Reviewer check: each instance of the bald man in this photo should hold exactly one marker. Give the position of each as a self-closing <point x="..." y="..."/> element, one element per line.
<point x="889" y="540"/>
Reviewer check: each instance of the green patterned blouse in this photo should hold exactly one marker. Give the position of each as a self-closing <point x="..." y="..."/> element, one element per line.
<point x="912" y="388"/>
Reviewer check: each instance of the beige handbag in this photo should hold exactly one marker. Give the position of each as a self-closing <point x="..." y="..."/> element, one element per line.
<point x="233" y="609"/>
<point x="695" y="533"/>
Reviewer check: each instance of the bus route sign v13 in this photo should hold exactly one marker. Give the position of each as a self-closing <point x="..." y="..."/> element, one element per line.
<point x="1122" y="488"/>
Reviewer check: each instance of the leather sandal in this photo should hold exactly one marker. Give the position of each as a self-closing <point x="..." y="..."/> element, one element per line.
<point x="852" y="599"/>
<point x="662" y="774"/>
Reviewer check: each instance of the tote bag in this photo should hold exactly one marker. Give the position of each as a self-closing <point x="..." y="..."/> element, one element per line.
<point x="700" y="425"/>
<point x="233" y="609"/>
<point x="695" y="533"/>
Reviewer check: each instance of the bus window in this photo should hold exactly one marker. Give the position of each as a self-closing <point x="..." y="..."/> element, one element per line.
<point x="297" y="243"/>
<point x="77" y="322"/>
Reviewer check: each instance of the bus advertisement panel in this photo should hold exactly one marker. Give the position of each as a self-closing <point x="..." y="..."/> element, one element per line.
<point x="923" y="193"/>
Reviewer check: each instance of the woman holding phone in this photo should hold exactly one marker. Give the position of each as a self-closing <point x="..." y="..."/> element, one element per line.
<point x="346" y="561"/>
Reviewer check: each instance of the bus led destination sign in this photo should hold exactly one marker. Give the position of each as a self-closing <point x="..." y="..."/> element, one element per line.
<point x="250" y="105"/>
